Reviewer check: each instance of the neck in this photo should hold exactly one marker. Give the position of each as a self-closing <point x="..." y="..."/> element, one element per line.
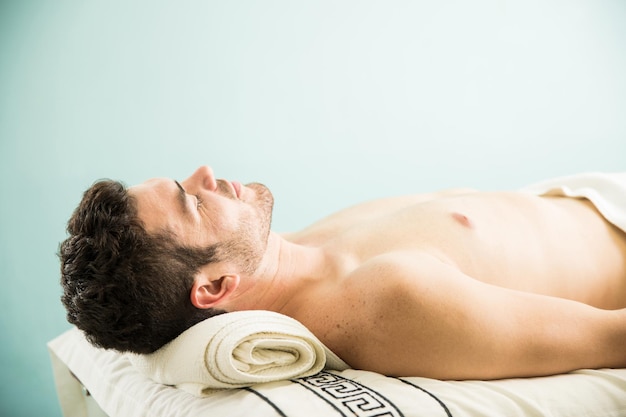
<point x="286" y="270"/>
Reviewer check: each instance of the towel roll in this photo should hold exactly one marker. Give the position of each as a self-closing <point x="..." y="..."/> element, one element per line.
<point x="236" y="350"/>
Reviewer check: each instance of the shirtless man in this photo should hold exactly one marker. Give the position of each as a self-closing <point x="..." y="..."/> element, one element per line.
<point x="452" y="285"/>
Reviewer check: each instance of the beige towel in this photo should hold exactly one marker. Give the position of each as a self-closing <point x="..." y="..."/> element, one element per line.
<point x="236" y="350"/>
<point x="607" y="191"/>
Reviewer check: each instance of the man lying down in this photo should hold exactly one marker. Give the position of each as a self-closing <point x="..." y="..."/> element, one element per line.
<point x="459" y="284"/>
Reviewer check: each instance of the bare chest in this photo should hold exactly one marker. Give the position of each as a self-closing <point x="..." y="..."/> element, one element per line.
<point x="518" y="241"/>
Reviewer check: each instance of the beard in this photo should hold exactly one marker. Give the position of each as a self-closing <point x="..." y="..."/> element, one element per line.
<point x="249" y="242"/>
<point x="265" y="202"/>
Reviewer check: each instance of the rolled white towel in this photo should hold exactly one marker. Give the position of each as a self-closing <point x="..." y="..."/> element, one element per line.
<point x="236" y="350"/>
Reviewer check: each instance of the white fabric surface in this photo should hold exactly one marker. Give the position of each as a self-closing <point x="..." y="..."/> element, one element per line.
<point x="236" y="350"/>
<point x="122" y="391"/>
<point x="607" y="191"/>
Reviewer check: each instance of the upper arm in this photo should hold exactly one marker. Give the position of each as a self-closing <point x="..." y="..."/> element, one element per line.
<point x="429" y="319"/>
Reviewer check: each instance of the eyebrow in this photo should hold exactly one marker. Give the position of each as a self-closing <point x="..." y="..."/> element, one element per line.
<point x="182" y="198"/>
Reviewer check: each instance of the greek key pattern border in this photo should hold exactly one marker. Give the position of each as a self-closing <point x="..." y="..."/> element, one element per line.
<point x="348" y="397"/>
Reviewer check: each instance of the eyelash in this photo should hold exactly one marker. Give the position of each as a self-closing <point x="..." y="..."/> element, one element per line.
<point x="198" y="201"/>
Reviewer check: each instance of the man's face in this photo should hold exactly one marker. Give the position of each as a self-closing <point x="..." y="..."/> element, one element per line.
<point x="201" y="211"/>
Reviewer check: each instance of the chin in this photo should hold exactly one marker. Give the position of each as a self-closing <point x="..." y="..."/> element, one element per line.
<point x="265" y="203"/>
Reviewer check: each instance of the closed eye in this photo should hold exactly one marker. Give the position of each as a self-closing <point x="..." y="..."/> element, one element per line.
<point x="182" y="197"/>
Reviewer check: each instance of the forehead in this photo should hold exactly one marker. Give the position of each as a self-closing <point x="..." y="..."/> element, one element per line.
<point x="152" y="190"/>
<point x="156" y="204"/>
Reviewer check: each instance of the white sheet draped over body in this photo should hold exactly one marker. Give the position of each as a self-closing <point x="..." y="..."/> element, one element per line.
<point x="607" y="192"/>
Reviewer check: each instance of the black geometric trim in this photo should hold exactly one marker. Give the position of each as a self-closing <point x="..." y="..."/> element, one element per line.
<point x="321" y="397"/>
<point x="445" y="408"/>
<point x="267" y="400"/>
<point x="348" y="397"/>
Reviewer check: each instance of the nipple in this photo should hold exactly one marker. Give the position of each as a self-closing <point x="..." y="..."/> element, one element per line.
<point x="462" y="219"/>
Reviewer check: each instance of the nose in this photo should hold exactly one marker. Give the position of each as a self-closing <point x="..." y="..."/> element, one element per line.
<point x="202" y="178"/>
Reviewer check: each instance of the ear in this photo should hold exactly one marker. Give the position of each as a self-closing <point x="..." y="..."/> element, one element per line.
<point x="211" y="292"/>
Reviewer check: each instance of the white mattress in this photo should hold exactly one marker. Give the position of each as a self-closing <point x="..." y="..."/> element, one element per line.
<point x="121" y="391"/>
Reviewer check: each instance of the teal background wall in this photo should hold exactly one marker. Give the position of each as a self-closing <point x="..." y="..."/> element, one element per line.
<point x="327" y="102"/>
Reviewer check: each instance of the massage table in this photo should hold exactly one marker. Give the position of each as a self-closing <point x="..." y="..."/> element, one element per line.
<point x="97" y="382"/>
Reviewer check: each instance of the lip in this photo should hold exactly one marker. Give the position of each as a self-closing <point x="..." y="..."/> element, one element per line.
<point x="237" y="187"/>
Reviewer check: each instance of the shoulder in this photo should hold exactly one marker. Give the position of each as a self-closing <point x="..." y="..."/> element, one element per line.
<point x="379" y="299"/>
<point x="395" y="271"/>
<point x="403" y="305"/>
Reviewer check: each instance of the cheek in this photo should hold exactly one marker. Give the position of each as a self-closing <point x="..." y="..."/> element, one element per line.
<point x="223" y="219"/>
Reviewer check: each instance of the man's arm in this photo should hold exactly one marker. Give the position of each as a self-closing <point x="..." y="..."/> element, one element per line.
<point x="429" y="319"/>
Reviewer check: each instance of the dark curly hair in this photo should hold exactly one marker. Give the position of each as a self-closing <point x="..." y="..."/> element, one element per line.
<point x="124" y="288"/>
